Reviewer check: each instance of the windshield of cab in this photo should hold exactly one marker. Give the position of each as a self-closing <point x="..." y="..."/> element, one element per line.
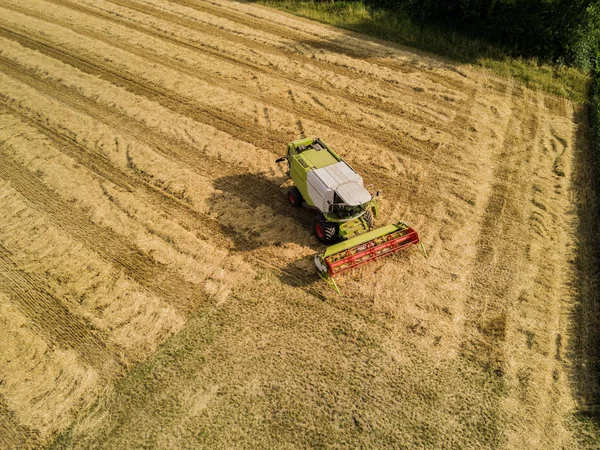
<point x="343" y="211"/>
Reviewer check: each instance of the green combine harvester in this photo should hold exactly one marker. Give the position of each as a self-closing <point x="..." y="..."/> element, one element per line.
<point x="326" y="183"/>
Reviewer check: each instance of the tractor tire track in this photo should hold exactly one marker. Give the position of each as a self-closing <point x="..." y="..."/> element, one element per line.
<point x="496" y="275"/>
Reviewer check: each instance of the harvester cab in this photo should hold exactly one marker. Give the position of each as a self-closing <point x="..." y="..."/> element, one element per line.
<point x="323" y="181"/>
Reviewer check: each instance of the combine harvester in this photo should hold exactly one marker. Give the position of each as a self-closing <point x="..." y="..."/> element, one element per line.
<point x="325" y="182"/>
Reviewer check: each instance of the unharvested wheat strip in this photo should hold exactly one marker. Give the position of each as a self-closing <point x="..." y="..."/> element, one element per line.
<point x="173" y="206"/>
<point x="14" y="434"/>
<point x="498" y="220"/>
<point x="278" y="66"/>
<point x="234" y="105"/>
<point x="168" y="285"/>
<point x="400" y="73"/>
<point x="346" y="48"/>
<point x="51" y="317"/>
<point x="369" y="127"/>
<point x="387" y="160"/>
<point x="218" y="203"/>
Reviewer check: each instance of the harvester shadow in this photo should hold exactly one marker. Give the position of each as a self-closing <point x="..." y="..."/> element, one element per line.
<point x="253" y="211"/>
<point x="584" y="346"/>
<point x="300" y="273"/>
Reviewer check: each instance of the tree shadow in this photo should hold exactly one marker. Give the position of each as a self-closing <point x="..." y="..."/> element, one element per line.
<point x="393" y="31"/>
<point x="584" y="349"/>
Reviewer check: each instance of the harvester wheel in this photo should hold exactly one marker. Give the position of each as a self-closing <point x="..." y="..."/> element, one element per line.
<point x="325" y="231"/>
<point x="295" y="197"/>
<point x="368" y="218"/>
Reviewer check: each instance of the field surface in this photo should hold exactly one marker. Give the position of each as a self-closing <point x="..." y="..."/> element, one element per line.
<point x="157" y="291"/>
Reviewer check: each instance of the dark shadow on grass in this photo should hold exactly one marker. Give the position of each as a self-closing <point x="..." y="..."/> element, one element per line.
<point x="584" y="350"/>
<point x="301" y="273"/>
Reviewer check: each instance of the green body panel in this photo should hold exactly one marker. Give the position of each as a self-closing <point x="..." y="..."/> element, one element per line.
<point x="361" y="239"/>
<point x="313" y="159"/>
<point x="298" y="176"/>
<point x="351" y="228"/>
<point x="299" y="142"/>
<point x="301" y="161"/>
<point x="306" y="142"/>
<point x="375" y="208"/>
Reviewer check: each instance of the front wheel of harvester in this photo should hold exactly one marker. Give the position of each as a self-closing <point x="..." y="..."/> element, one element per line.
<point x="295" y="197"/>
<point x="324" y="230"/>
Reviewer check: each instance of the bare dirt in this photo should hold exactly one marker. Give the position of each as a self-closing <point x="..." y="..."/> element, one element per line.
<point x="157" y="290"/>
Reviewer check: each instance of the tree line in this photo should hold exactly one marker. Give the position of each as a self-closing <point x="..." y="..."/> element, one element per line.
<point x="559" y="31"/>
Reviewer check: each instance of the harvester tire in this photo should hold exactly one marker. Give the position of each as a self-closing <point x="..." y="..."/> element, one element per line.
<point x="295" y="197"/>
<point x="325" y="231"/>
<point x="368" y="218"/>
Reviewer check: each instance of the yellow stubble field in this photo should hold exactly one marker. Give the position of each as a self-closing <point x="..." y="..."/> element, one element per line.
<point x="156" y="289"/>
